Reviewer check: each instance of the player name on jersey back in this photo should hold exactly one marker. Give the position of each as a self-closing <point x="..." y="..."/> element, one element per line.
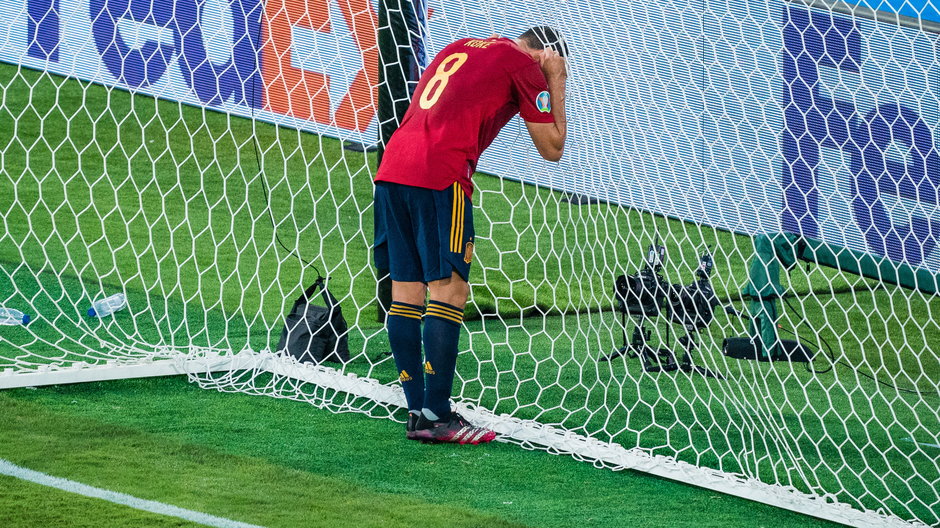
<point x="474" y="43"/>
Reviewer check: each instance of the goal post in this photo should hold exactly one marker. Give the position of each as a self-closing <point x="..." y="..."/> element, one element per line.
<point x="402" y="57"/>
<point x="189" y="155"/>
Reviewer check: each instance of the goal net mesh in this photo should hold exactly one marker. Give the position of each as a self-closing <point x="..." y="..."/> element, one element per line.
<point x="190" y="155"/>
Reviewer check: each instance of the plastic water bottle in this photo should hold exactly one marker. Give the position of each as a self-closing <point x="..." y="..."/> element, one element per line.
<point x="10" y="317"/>
<point x="108" y="305"/>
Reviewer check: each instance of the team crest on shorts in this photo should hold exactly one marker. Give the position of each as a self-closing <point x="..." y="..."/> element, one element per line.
<point x="468" y="253"/>
<point x="543" y="102"/>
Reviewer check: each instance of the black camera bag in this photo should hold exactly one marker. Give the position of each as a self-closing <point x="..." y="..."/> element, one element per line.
<point x="314" y="334"/>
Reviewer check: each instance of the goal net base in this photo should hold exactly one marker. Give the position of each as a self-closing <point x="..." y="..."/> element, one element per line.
<point x="217" y="369"/>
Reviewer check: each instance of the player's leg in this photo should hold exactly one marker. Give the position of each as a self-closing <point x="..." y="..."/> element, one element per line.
<point x="395" y="251"/>
<point x="447" y="272"/>
<point x="447" y="267"/>
<point x="442" y="324"/>
<point x="404" y="337"/>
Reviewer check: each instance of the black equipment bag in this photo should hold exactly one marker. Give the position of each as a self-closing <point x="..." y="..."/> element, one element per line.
<point x="314" y="334"/>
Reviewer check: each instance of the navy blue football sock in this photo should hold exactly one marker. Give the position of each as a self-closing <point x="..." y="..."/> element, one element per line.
<point x="404" y="336"/>
<point x="441" y="334"/>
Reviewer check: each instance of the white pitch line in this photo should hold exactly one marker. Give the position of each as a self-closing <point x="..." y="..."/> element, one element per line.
<point x="10" y="469"/>
<point x="909" y="439"/>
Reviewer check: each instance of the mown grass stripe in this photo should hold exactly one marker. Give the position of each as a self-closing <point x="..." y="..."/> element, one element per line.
<point x="12" y="470"/>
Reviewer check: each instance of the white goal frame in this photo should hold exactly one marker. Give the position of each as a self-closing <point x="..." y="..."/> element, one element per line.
<point x="526" y="433"/>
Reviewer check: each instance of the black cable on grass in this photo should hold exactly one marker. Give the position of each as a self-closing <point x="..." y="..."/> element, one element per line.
<point x="831" y="354"/>
<point x="834" y="361"/>
<point x="264" y="184"/>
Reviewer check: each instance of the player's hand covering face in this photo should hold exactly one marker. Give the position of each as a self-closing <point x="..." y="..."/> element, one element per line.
<point x="553" y="64"/>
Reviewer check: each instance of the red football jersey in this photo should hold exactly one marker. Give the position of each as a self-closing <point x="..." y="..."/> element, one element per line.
<point x="467" y="94"/>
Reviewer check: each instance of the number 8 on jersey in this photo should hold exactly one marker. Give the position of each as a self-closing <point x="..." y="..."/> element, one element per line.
<point x="448" y="67"/>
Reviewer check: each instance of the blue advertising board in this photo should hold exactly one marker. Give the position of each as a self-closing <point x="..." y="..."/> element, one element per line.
<point x="312" y="64"/>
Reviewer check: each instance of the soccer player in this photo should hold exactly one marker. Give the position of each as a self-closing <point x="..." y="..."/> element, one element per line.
<point x="423" y="210"/>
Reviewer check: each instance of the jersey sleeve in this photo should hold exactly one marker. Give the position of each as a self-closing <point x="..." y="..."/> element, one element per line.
<point x="531" y="92"/>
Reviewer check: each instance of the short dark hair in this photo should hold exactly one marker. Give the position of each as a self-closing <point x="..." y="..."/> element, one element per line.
<point x="541" y="37"/>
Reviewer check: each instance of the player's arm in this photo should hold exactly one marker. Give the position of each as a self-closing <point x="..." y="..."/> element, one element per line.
<point x="549" y="138"/>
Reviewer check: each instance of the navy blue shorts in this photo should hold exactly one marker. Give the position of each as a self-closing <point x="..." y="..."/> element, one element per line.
<point x="422" y="235"/>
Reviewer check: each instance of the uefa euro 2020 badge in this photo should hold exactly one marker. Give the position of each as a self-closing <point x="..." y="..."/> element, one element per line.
<point x="543" y="102"/>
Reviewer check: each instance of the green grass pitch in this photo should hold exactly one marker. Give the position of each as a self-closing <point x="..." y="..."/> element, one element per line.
<point x="166" y="440"/>
<point x="104" y="190"/>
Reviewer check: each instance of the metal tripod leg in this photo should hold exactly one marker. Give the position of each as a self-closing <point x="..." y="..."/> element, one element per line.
<point x="625" y="349"/>
<point x="688" y="344"/>
<point x="637" y="344"/>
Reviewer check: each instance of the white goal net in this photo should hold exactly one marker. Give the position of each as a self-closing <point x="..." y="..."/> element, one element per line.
<point x="207" y="160"/>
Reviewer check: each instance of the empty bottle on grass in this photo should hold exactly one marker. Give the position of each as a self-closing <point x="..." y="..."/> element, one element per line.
<point x="10" y="317"/>
<point x="108" y="305"/>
